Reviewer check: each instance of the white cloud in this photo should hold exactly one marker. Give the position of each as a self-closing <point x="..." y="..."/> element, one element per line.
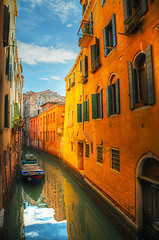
<point x="55" y="78"/>
<point x="32" y="54"/>
<point x="69" y="25"/>
<point x="45" y="79"/>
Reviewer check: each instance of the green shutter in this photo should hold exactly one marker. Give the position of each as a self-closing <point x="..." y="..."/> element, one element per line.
<point x="84" y="111"/>
<point x="86" y="66"/>
<point x="135" y="86"/>
<point x="6" y="24"/>
<point x="127" y="9"/>
<point x="88" y="110"/>
<point x="149" y="74"/>
<point x="97" y="50"/>
<point x="7" y="61"/>
<point x="79" y="112"/>
<point x="109" y="100"/>
<point x="6" y="112"/>
<point x="101" y="103"/>
<point x="91" y="24"/>
<point x="94" y="105"/>
<point x="93" y="57"/>
<point x="117" y="96"/>
<point x="106" y="41"/>
<point x="114" y="30"/>
<point x="131" y="86"/>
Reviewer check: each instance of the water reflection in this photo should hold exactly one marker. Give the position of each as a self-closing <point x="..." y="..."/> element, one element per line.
<point x="56" y="208"/>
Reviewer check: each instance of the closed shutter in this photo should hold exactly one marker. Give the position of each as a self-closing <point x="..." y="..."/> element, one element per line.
<point x="114" y="30"/>
<point x="106" y="41"/>
<point x="149" y="75"/>
<point x="131" y="86"/>
<point x="91" y="24"/>
<point x="127" y="9"/>
<point x="93" y="56"/>
<point x="86" y="66"/>
<point x="117" y="96"/>
<point x="79" y="112"/>
<point x="101" y="103"/>
<point x="81" y="68"/>
<point x="6" y="112"/>
<point x="109" y="100"/>
<point x="6" y="23"/>
<point x="84" y="111"/>
<point x="144" y="6"/>
<point x="88" y="110"/>
<point x="94" y="105"/>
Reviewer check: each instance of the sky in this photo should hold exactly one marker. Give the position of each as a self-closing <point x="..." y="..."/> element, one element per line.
<point x="46" y="32"/>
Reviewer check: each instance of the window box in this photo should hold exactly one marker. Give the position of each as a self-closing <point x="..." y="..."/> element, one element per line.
<point x="132" y="24"/>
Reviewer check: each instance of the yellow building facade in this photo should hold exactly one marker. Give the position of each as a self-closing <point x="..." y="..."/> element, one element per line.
<point x="111" y="114"/>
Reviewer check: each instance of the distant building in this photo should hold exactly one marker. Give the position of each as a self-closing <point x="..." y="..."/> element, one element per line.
<point x="46" y="129"/>
<point x="33" y="106"/>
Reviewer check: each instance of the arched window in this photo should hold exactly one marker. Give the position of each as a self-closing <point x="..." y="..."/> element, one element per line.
<point x="113" y="96"/>
<point x="141" y="85"/>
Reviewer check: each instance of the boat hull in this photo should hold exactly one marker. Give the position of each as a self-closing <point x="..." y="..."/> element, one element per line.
<point x="33" y="179"/>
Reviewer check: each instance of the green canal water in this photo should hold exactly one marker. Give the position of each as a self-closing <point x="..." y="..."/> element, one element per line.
<point x="56" y="209"/>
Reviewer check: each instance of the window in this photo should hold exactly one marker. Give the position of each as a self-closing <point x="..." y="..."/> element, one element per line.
<point x="115" y="159"/>
<point x="6" y="23"/>
<point x="74" y="77"/>
<point x="113" y="98"/>
<point x="71" y="146"/>
<point x="100" y="154"/>
<point x="81" y="66"/>
<point x="97" y="104"/>
<point x="69" y="82"/>
<point x="87" y="150"/>
<point x="95" y="56"/>
<point x="109" y="34"/>
<point x="86" y="111"/>
<point x="141" y="82"/>
<point x="86" y="67"/>
<point x="103" y="1"/>
<point x="53" y="116"/>
<point x="79" y="112"/>
<point x="6" y="112"/>
<point x="54" y="135"/>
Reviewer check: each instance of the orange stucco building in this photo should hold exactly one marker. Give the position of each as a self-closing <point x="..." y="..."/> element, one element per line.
<point x="46" y="129"/>
<point x="111" y="130"/>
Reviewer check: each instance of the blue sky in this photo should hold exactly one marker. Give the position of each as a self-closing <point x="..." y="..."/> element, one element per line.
<point x="46" y="31"/>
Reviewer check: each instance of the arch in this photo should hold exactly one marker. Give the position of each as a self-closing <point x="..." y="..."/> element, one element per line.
<point x="111" y="77"/>
<point x="98" y="88"/>
<point x="137" y="56"/>
<point x="139" y="198"/>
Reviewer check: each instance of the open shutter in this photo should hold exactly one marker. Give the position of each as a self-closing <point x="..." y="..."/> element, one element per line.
<point x="94" y="106"/>
<point x="144" y="6"/>
<point x="117" y="96"/>
<point x="114" y="30"/>
<point x="88" y="110"/>
<point x="135" y="86"/>
<point x="127" y="9"/>
<point x="79" y="112"/>
<point x="109" y="100"/>
<point x="86" y="66"/>
<point x="84" y="111"/>
<point x="6" y="112"/>
<point x="101" y="103"/>
<point x="106" y="41"/>
<point x="97" y="50"/>
<point x="6" y="23"/>
<point x="91" y="24"/>
<point x="149" y="75"/>
<point x="81" y="67"/>
<point x="131" y="86"/>
<point x="93" y="56"/>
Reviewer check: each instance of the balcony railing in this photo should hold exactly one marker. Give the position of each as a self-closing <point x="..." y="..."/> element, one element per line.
<point x="86" y="33"/>
<point x="132" y="24"/>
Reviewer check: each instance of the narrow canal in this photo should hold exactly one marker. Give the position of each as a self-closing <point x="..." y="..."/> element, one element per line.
<point x="56" y="209"/>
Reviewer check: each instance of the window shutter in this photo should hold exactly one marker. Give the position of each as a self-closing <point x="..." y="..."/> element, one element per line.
<point x="88" y="110"/>
<point x="109" y="100"/>
<point x="149" y="74"/>
<point x="84" y="111"/>
<point x="94" y="106"/>
<point x="131" y="86"/>
<point x="92" y="56"/>
<point x="117" y="96"/>
<point x="106" y="41"/>
<point x="102" y="3"/>
<point x="127" y="9"/>
<point x="114" y="30"/>
<point x="91" y="24"/>
<point x="144" y="6"/>
<point x="86" y="66"/>
<point x="79" y="112"/>
<point x="6" y="23"/>
<point x="97" y="50"/>
<point x="16" y="110"/>
<point x="7" y="61"/>
<point x="135" y="86"/>
<point x="101" y="103"/>
<point x="6" y="113"/>
<point x="10" y="67"/>
<point x="81" y="65"/>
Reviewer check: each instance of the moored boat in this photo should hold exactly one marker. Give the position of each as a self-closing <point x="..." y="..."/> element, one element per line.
<point x="32" y="173"/>
<point x="29" y="159"/>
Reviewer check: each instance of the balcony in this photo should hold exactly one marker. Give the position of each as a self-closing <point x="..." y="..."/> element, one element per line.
<point x="86" y="33"/>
